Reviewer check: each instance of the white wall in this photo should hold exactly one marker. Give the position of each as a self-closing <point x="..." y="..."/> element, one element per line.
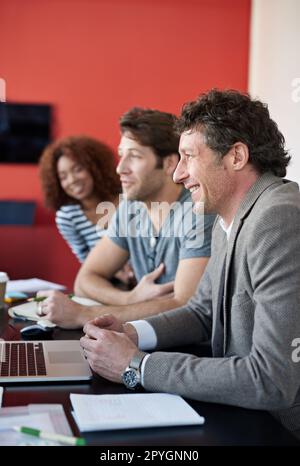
<point x="274" y="68"/>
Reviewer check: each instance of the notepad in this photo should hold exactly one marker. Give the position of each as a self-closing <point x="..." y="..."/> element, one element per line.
<point x="132" y="410"/>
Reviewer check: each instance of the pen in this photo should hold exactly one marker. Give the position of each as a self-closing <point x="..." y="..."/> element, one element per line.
<point x="68" y="440"/>
<point x="38" y="299"/>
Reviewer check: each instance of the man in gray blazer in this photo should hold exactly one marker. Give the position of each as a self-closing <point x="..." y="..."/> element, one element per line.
<point x="248" y="301"/>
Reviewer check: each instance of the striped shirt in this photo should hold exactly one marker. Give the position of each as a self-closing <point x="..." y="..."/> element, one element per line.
<point x="78" y="231"/>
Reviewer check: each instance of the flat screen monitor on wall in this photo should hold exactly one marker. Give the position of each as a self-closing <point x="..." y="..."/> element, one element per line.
<point x="25" y="130"/>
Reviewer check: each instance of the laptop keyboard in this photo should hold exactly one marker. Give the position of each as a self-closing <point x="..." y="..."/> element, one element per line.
<point x="22" y="359"/>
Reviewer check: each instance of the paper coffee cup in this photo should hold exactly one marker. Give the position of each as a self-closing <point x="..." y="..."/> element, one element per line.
<point x="3" y="281"/>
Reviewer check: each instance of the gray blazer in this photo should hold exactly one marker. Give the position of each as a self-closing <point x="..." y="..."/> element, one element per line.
<point x="261" y="312"/>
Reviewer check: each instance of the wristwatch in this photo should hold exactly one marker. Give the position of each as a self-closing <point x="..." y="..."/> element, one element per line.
<point x="132" y="375"/>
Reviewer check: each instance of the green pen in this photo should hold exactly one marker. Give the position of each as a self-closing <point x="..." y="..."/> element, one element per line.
<point x="38" y="299"/>
<point x="68" y="440"/>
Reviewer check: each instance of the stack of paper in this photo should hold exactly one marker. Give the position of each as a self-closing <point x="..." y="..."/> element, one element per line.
<point x="48" y="417"/>
<point x="32" y="285"/>
<point x="106" y="412"/>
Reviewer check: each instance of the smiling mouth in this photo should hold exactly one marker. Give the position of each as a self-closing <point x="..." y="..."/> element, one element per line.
<point x="125" y="182"/>
<point x="195" y="188"/>
<point x="78" y="190"/>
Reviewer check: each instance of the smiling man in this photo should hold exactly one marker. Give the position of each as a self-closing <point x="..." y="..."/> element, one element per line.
<point x="232" y="158"/>
<point x="154" y="227"/>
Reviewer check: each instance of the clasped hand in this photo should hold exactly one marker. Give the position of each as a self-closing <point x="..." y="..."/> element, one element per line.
<point x="108" y="347"/>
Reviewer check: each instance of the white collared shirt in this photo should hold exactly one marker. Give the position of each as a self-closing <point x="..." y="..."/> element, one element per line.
<point x="226" y="229"/>
<point x="147" y="340"/>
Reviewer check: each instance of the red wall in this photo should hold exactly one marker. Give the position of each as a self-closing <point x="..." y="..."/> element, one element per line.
<point x="93" y="59"/>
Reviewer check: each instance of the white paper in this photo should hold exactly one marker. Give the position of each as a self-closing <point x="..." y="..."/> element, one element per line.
<point x="39" y="421"/>
<point x="8" y="436"/>
<point x="50" y="418"/>
<point x="1" y="394"/>
<point x="57" y="415"/>
<point x="85" y="301"/>
<point x="107" y="412"/>
<point x="32" y="285"/>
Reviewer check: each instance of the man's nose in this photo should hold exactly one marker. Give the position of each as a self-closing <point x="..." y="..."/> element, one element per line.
<point x="122" y="166"/>
<point x="180" y="173"/>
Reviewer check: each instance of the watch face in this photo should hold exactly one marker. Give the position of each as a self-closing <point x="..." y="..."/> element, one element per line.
<point x="130" y="378"/>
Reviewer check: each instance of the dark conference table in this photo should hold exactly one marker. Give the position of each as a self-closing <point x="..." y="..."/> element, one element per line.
<point x="225" y="425"/>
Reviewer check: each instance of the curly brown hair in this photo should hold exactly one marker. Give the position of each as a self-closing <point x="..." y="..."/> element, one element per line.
<point x="93" y="155"/>
<point x="228" y="116"/>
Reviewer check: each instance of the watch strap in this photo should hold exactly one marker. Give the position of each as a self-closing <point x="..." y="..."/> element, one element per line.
<point x="137" y="359"/>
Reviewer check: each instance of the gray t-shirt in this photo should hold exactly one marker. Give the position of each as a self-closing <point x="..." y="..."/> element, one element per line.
<point x="183" y="235"/>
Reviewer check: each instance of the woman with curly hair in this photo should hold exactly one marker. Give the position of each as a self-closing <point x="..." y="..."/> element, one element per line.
<point x="77" y="173"/>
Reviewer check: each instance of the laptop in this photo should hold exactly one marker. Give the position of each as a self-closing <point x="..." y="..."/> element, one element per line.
<point x="43" y="361"/>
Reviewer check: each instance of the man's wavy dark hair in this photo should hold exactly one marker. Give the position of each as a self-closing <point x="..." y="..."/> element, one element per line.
<point x="226" y="117"/>
<point x="152" y="128"/>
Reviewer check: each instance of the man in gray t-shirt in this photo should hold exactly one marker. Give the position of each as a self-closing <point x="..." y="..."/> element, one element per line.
<point x="183" y="235"/>
<point x="154" y="228"/>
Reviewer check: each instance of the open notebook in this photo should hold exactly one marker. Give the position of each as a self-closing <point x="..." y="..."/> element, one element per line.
<point x="28" y="311"/>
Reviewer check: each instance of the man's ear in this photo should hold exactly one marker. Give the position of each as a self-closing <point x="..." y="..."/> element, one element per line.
<point x="170" y="163"/>
<point x="239" y="156"/>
